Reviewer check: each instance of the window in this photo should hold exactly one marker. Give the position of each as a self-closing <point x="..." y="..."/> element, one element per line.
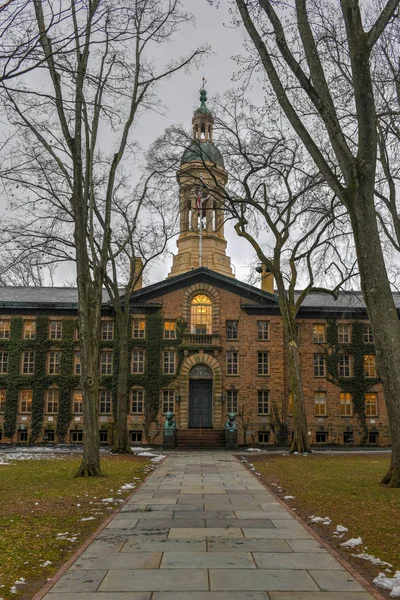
<point x="29" y="330"/>
<point x="318" y="333"/>
<point x="137" y="365"/>
<point x="169" y="330"/>
<point x="103" y="436"/>
<point x="232" y="367"/>
<point x="52" y="400"/>
<point x="262" y="363"/>
<point x="263" y="437"/>
<point x="22" y="435"/>
<point x="373" y="437"/>
<point x="232" y="401"/>
<point x="369" y="365"/>
<point x="76" y="437"/>
<point x="346" y="404"/>
<point x="3" y="362"/>
<point x="201" y="315"/>
<point x="319" y="365"/>
<point x="169" y="362"/>
<point x="107" y="331"/>
<point x="53" y="362"/>
<point x="262" y="330"/>
<point x="25" y="401"/>
<point x="263" y="402"/>
<point x="4" y="330"/>
<point x="232" y="330"/>
<point x="137" y="401"/>
<point x="136" y="436"/>
<point x="77" y="363"/>
<point x="49" y="434"/>
<point x="138" y="328"/>
<point x="344" y="334"/>
<point x="77" y="402"/>
<point x="368" y="336"/>
<point x="290" y="405"/>
<point x="320" y="403"/>
<point x="371" y="405"/>
<point x="28" y="362"/>
<point x="321" y="437"/>
<point x="345" y="365"/>
<point x="168" y="401"/>
<point x="55" y="330"/>
<point x="3" y="397"/>
<point x="105" y="402"/>
<point x="106" y="362"/>
<point x="348" y="437"/>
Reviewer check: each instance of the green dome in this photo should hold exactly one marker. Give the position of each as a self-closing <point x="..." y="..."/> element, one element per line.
<point x="202" y="151"/>
<point x="203" y="110"/>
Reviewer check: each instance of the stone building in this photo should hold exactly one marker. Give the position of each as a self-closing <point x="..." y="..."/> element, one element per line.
<point x="204" y="343"/>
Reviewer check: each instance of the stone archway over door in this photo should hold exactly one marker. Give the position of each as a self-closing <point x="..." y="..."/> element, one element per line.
<point x="200" y="397"/>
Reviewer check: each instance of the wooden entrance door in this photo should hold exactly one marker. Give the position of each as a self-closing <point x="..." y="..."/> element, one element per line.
<point x="200" y="403"/>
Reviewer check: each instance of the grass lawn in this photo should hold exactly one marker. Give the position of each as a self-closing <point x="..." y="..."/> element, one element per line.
<point x="40" y="499"/>
<point x="346" y="489"/>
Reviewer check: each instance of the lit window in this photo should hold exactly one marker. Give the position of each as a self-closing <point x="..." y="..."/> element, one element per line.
<point x="320" y="403"/>
<point x="25" y="401"/>
<point x="53" y="362"/>
<point x="346" y="404"/>
<point x="201" y="315"/>
<point x="77" y="402"/>
<point x="263" y="402"/>
<point x="3" y="362"/>
<point x="52" y="400"/>
<point x="137" y="364"/>
<point x="344" y="334"/>
<point x="106" y="362"/>
<point x="168" y="399"/>
<point x="137" y="401"/>
<point x="77" y="363"/>
<point x="371" y="405"/>
<point x="263" y="437"/>
<point x="368" y="336"/>
<point x="262" y="363"/>
<point x="169" y="330"/>
<point x="318" y="333"/>
<point x="3" y="397"/>
<point x="138" y="328"/>
<point x="105" y="401"/>
<point x="369" y="365"/>
<point x="262" y="330"/>
<point x="55" y="330"/>
<point x="28" y="362"/>
<point x="169" y="362"/>
<point x="107" y="331"/>
<point x="232" y="330"/>
<point x="232" y="367"/>
<point x="290" y="405"/>
<point x="232" y="401"/>
<point x="345" y="365"/>
<point x="29" y="330"/>
<point x="4" y="330"/>
<point x="319" y="365"/>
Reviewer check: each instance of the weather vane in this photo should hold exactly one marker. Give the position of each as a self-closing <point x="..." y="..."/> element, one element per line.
<point x="204" y="82"/>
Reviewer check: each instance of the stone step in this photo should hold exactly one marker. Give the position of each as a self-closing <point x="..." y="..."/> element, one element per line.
<point x="200" y="438"/>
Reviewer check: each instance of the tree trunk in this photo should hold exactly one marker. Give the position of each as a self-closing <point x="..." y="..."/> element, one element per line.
<point x="382" y="315"/>
<point x="121" y="440"/>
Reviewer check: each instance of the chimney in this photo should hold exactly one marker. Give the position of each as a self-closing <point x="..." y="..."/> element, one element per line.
<point x="267" y="279"/>
<point x="138" y="269"/>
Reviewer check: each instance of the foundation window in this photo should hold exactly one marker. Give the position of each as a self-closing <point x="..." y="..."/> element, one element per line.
<point x="136" y="436"/>
<point x="321" y="437"/>
<point x="76" y="437"/>
<point x="263" y="437"/>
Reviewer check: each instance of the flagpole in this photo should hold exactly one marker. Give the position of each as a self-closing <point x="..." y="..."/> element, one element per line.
<point x="200" y="236"/>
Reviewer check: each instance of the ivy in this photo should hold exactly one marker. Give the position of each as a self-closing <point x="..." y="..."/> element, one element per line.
<point x="66" y="381"/>
<point x="358" y="385"/>
<point x="41" y="346"/>
<point x="10" y="381"/>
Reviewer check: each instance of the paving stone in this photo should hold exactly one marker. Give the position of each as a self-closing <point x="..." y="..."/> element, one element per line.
<point x="231" y="532"/>
<point x="133" y="560"/>
<point x="99" y="596"/>
<point x="276" y="534"/>
<point x="168" y="523"/>
<point x="284" y="523"/>
<point x="296" y="560"/>
<point x="259" y="523"/>
<point x="206" y="514"/>
<point x="336" y="581"/>
<point x="261" y="580"/>
<point x="190" y="499"/>
<point x="320" y="596"/>
<point x="146" y="514"/>
<point x="157" y="545"/>
<point x="126" y="521"/>
<point x="260" y="514"/>
<point x="211" y="596"/>
<point x="306" y="546"/>
<point x="163" y="580"/>
<point x="177" y="507"/>
<point x="242" y="545"/>
<point x="80" y="581"/>
<point x="207" y="560"/>
<point x="168" y="500"/>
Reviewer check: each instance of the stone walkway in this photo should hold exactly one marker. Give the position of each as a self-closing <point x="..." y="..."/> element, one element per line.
<point x="203" y="528"/>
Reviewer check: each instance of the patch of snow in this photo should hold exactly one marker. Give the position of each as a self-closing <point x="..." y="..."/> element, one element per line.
<point x="158" y="458"/>
<point x="87" y="519"/>
<point x="20" y="581"/>
<point x="108" y="500"/>
<point x="258" y="474"/>
<point x="294" y="453"/>
<point x="139" y="449"/>
<point x="13" y="589"/>
<point x="389" y="583"/>
<point x="47" y="563"/>
<point x="289" y="497"/>
<point x="322" y="520"/>
<point x="352" y="543"/>
<point x="341" y="529"/>
<point x="373" y="559"/>
<point x="254" y="450"/>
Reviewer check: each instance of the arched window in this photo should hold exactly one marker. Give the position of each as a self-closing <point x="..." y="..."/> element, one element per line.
<point x="201" y="315"/>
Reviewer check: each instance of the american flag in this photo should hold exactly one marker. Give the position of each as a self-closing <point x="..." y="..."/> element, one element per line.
<point x="199" y="199"/>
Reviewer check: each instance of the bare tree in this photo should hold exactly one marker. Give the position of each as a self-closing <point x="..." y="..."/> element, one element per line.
<point x="324" y="86"/>
<point x="75" y="137"/>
